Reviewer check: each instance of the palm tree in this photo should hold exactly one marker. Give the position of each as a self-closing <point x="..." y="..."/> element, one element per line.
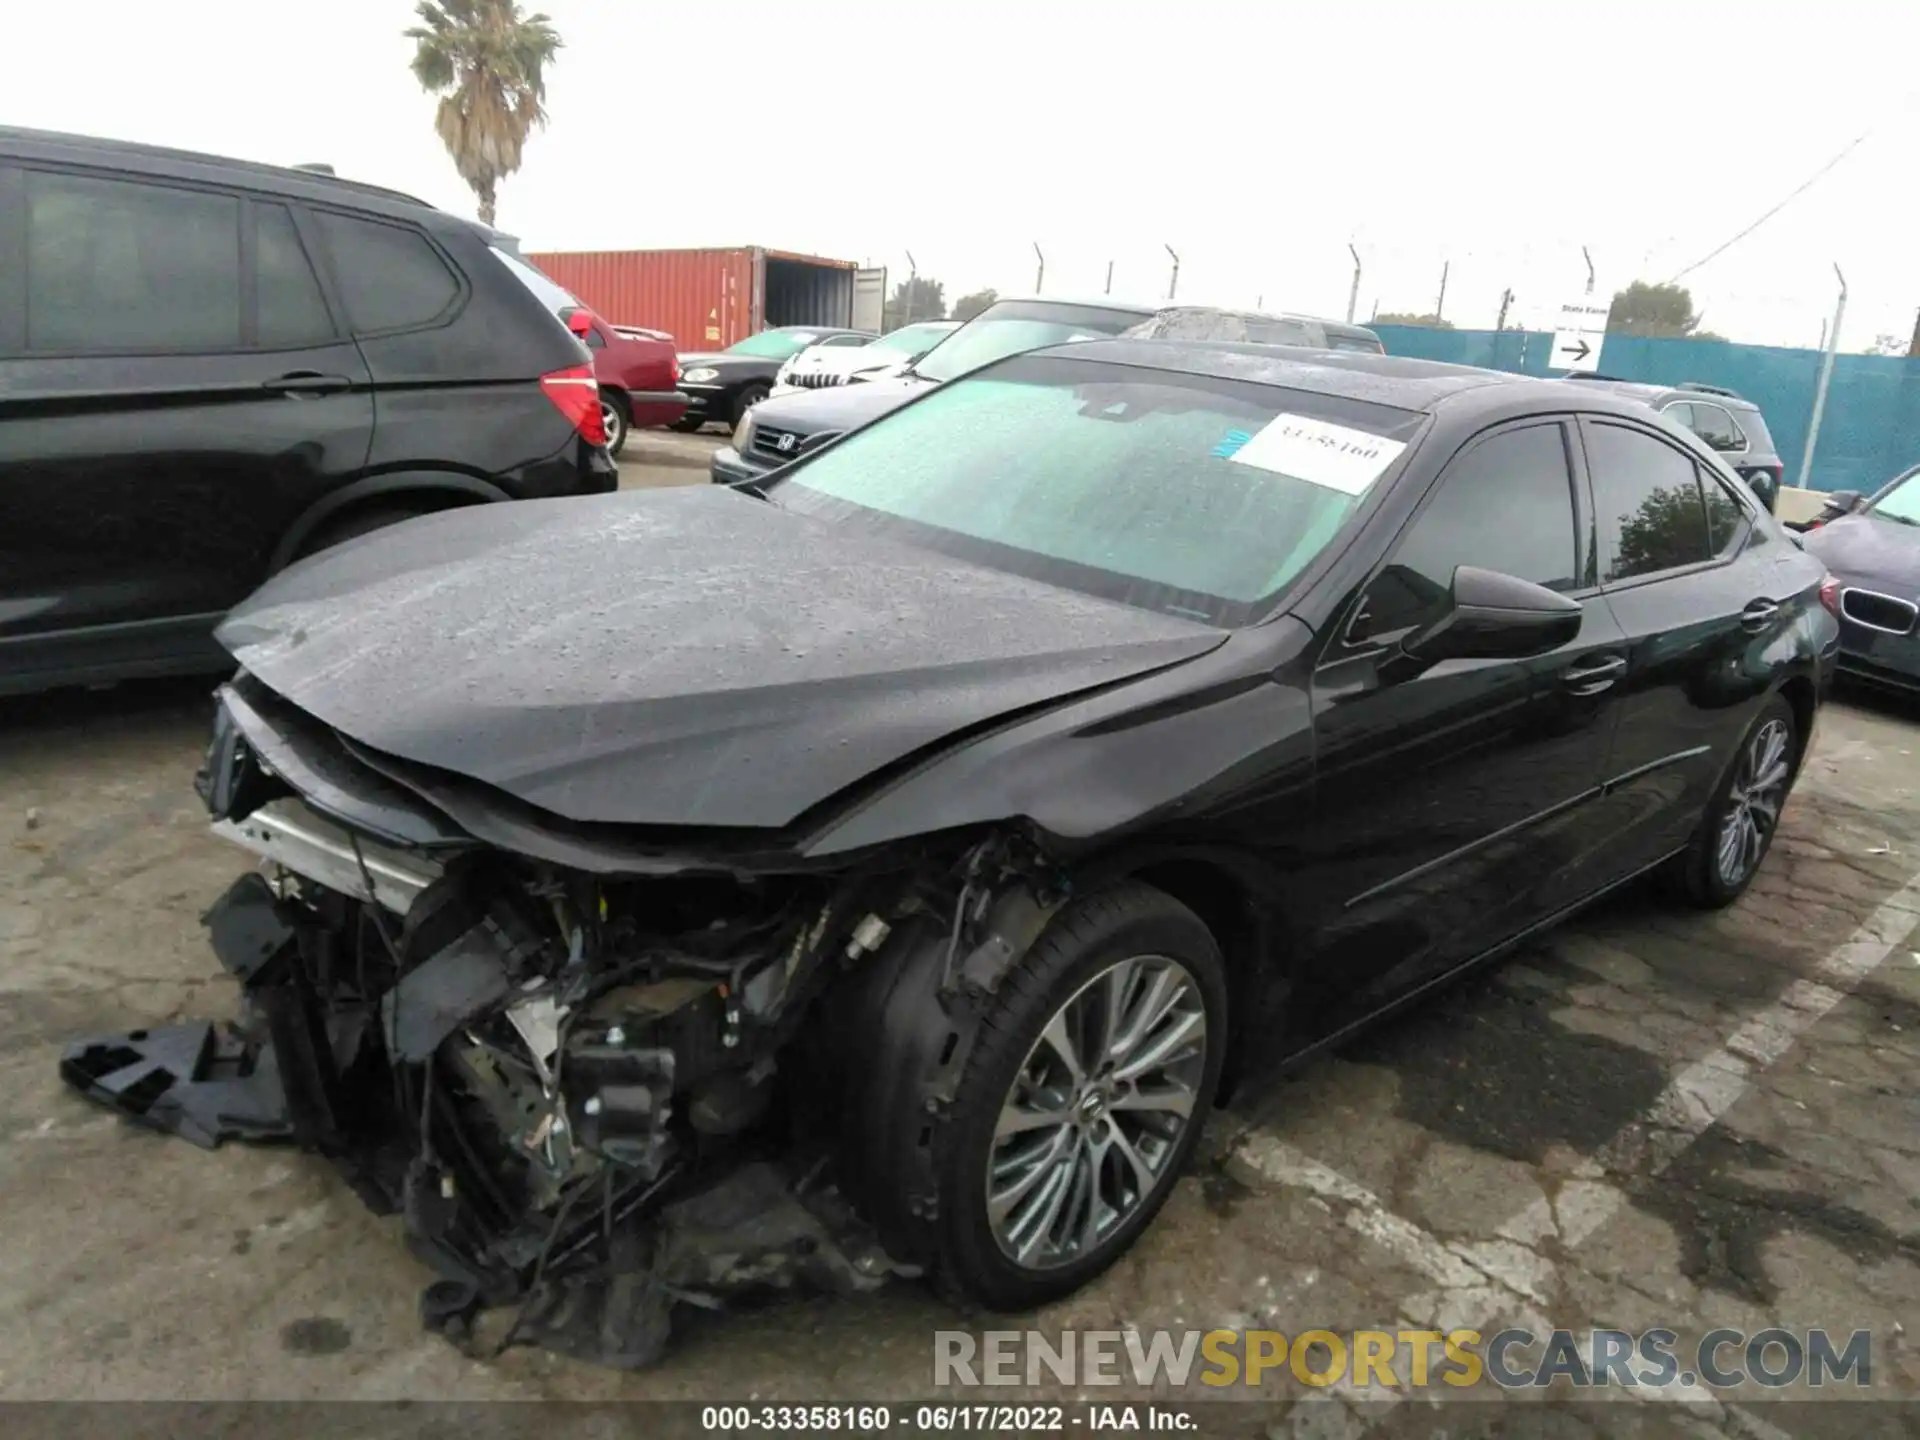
<point x="486" y="61"/>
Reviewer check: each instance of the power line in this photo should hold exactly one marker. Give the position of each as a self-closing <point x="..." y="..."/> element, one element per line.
<point x="1795" y="194"/>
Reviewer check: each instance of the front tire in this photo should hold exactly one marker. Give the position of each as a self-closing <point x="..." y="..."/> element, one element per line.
<point x="1082" y="1100"/>
<point x="749" y="396"/>
<point x="1738" y="826"/>
<point x="613" y="419"/>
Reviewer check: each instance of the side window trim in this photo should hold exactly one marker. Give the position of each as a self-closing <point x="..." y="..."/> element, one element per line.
<point x="13" y="261"/>
<point x="321" y="251"/>
<point x="1344" y="646"/>
<point x="1714" y="562"/>
<point x="249" y="275"/>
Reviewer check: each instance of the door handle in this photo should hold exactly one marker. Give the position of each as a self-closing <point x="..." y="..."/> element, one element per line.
<point x="1758" y="614"/>
<point x="1590" y="677"/>
<point x="308" y="382"/>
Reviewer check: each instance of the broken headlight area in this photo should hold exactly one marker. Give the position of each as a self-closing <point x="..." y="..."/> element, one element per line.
<point x="590" y="1098"/>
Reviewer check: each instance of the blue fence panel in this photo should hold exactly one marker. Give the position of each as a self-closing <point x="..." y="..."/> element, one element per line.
<point x="1870" y="432"/>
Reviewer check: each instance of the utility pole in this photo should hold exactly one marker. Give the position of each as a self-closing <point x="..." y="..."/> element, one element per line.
<point x="1353" y="292"/>
<point x="1440" y="305"/>
<point x="1913" y="345"/>
<point x="1173" y="285"/>
<point x="913" y="273"/>
<point x="1826" y="378"/>
<point x="1109" y="277"/>
<point x="1040" y="276"/>
<point x="1589" y="259"/>
<point x="1506" y="299"/>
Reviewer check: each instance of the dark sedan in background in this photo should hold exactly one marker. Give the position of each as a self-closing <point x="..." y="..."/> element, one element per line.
<point x="883" y="872"/>
<point x="1872" y="547"/>
<point x="723" y="385"/>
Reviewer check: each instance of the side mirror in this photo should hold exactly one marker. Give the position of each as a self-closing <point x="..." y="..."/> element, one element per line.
<point x="1490" y="616"/>
<point x="580" y="322"/>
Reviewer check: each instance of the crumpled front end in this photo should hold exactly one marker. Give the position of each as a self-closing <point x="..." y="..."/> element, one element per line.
<point x="592" y="1092"/>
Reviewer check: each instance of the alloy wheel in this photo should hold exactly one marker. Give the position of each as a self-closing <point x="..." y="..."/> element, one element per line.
<point x="1096" y="1111"/>
<point x="1753" y="805"/>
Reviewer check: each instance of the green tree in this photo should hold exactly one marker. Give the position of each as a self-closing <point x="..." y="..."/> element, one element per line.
<point x="487" y="63"/>
<point x="1401" y="317"/>
<point x="1662" y="311"/>
<point x="1668" y="529"/>
<point x="925" y="300"/>
<point x="968" y="306"/>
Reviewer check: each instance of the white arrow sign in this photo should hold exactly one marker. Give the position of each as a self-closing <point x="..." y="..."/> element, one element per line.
<point x="1577" y="336"/>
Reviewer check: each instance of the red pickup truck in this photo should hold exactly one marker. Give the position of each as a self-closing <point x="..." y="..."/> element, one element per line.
<point x="638" y="371"/>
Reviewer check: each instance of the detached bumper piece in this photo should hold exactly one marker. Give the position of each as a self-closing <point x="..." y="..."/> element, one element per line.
<point x="392" y="1056"/>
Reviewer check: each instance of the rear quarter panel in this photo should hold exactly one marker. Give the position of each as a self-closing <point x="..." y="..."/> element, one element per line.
<point x="463" y="394"/>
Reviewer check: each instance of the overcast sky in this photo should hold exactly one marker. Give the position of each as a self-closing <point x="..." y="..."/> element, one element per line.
<point x="1257" y="139"/>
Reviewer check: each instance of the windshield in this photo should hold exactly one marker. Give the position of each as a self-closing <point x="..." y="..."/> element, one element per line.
<point x="1178" y="493"/>
<point x="1013" y="326"/>
<point x="1900" y="501"/>
<point x="555" y="297"/>
<point x="774" y="344"/>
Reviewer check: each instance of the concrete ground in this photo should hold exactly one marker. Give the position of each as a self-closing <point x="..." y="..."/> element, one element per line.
<point x="664" y="457"/>
<point x="1653" y="1118"/>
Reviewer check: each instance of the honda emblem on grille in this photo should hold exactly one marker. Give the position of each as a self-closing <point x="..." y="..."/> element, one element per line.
<point x="787" y="442"/>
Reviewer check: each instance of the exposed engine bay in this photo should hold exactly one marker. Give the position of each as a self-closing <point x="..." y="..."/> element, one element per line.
<point x="591" y="1096"/>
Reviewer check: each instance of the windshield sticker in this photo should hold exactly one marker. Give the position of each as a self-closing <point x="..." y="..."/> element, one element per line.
<point x="1334" y="456"/>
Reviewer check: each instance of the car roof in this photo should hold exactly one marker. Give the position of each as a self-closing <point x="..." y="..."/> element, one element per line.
<point x="1649" y="392"/>
<point x="1396" y="380"/>
<point x="290" y="180"/>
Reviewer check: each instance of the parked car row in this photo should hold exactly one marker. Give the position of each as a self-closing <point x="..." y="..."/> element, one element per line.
<point x="882" y="865"/>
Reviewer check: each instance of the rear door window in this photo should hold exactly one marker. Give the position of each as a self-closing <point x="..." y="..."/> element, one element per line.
<point x="1505" y="504"/>
<point x="389" y="276"/>
<point x="1647" y="505"/>
<point x="122" y="266"/>
<point x="289" y="310"/>
<point x="1715" y="426"/>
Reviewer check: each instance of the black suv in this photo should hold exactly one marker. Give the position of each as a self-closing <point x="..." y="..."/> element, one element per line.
<point x="1727" y="422"/>
<point x="209" y="368"/>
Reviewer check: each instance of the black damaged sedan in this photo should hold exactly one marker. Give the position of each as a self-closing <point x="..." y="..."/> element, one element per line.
<point x="675" y="894"/>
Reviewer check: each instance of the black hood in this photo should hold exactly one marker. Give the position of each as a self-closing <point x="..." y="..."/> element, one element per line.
<point x="672" y="657"/>
<point x="1883" y="554"/>
<point x="835" y="409"/>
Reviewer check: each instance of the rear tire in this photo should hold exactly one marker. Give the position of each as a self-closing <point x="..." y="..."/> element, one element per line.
<point x="614" y="419"/>
<point x="749" y="396"/>
<point x="352" y="526"/>
<point x="1737" y="829"/>
<point x="1085" y="1185"/>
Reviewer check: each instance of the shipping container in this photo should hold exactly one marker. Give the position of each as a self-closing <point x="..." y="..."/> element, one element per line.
<point x="710" y="299"/>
